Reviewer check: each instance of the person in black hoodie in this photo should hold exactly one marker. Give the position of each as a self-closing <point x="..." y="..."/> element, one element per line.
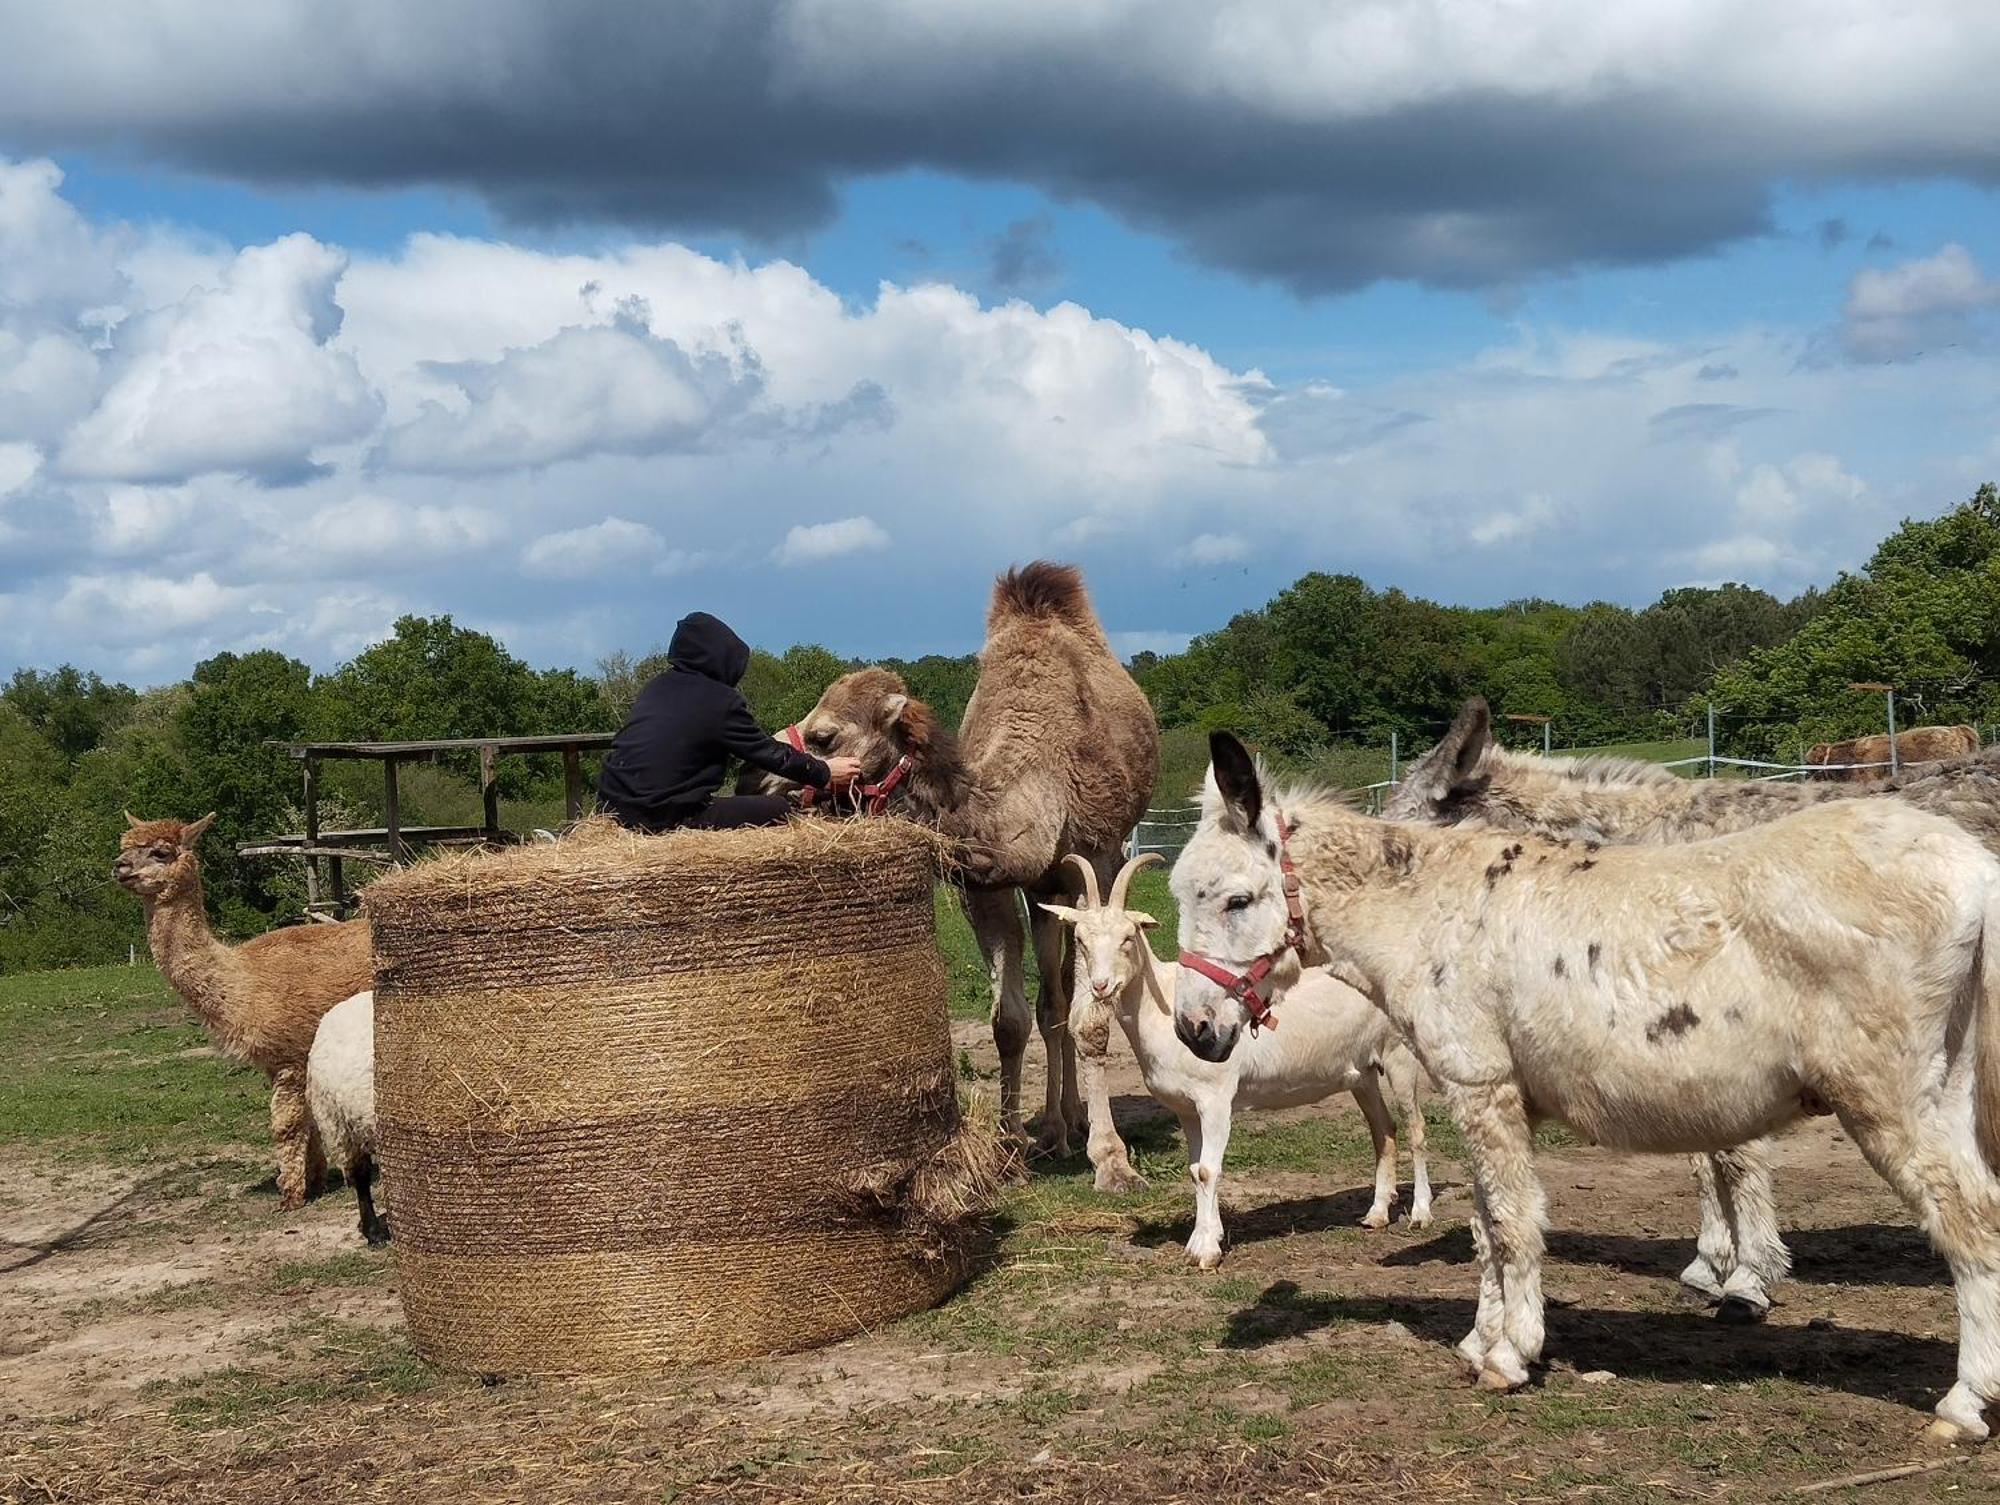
<point x="668" y="759"/>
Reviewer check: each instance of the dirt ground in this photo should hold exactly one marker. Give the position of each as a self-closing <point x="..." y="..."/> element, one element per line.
<point x="166" y="1335"/>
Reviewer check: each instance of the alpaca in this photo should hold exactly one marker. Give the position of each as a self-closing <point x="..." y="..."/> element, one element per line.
<point x="1467" y="780"/>
<point x="1653" y="998"/>
<point x="1336" y="1041"/>
<point x="261" y="1000"/>
<point x="340" y="1095"/>
<point x="1058" y="753"/>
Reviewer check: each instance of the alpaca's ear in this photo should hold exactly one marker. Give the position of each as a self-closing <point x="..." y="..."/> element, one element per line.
<point x="132" y="820"/>
<point x="192" y="834"/>
<point x="1235" y="773"/>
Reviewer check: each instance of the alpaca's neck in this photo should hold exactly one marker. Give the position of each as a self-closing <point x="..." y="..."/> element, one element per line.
<point x="188" y="954"/>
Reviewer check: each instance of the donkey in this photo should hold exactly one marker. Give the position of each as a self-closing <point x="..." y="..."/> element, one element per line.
<point x="1467" y="780"/>
<point x="1660" y="999"/>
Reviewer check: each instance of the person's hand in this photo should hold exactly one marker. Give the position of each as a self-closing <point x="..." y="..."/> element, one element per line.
<point x="844" y="771"/>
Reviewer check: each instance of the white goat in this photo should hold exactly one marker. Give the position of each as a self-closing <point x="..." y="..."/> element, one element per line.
<point x="340" y="1096"/>
<point x="1333" y="1040"/>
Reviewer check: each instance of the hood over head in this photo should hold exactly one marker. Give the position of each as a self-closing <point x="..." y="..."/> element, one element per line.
<point x="704" y="645"/>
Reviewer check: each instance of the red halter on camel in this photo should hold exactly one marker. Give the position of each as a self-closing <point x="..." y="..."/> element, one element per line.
<point x="1246" y="987"/>
<point x="872" y="798"/>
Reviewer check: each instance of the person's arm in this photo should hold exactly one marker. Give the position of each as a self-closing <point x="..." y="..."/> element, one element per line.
<point x="757" y="747"/>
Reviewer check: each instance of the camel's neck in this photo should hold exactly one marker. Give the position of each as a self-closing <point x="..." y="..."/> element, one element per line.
<point x="188" y="954"/>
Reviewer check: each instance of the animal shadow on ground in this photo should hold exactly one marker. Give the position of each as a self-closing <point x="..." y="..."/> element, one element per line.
<point x="1671" y="1347"/>
<point x="102" y="1228"/>
<point x="1275" y="1220"/>
<point x="1861" y="1254"/>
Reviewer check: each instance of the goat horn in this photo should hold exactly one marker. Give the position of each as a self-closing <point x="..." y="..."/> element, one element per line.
<point x="1089" y="878"/>
<point x="1123" y="881"/>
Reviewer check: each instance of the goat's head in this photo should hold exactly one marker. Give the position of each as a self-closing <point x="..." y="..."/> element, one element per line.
<point x="1110" y="939"/>
<point x="156" y="857"/>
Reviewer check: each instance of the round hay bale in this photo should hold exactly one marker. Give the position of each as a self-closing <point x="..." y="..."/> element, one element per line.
<point x="644" y="1100"/>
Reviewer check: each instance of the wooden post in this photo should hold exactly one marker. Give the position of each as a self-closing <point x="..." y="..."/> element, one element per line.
<point x="573" y="782"/>
<point x="392" y="810"/>
<point x="489" y="788"/>
<point x="336" y="874"/>
<point x="312" y="832"/>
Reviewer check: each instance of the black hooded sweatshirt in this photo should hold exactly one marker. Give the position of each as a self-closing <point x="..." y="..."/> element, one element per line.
<point x="670" y="755"/>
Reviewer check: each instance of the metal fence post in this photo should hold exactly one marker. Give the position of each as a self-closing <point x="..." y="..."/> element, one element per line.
<point x="1392" y="759"/>
<point x="1711" y="739"/>
<point x="1895" y="763"/>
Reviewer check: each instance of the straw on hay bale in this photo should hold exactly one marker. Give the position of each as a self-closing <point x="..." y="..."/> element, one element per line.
<point x="653" y="1099"/>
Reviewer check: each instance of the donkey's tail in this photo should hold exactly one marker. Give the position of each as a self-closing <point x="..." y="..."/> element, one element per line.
<point x="1986" y="1040"/>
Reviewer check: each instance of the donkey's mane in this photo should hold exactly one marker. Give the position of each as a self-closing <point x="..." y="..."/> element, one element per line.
<point x="1598" y="771"/>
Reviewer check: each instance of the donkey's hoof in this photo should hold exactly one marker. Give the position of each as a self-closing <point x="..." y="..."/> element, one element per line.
<point x="1116" y="1180"/>
<point x="1961" y="1417"/>
<point x="1205" y="1258"/>
<point x="1741" y="1311"/>
<point x="1376" y="1218"/>
<point x="1500" y="1381"/>
<point x="1701" y="1279"/>
<point x="1941" y="1430"/>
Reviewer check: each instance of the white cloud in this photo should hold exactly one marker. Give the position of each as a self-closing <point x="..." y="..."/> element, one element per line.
<point x="614" y="547"/>
<point x="136" y="607"/>
<point x="18" y="464"/>
<point x="373" y="531"/>
<point x="239" y="378"/>
<point x="1216" y="548"/>
<point x="821" y="541"/>
<point x="1536" y="515"/>
<point x="1899" y="312"/>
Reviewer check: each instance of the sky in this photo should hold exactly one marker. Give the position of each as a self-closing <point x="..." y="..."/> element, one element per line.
<point x="817" y="314"/>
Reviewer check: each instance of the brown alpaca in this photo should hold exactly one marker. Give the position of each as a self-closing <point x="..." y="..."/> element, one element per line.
<point x="261" y="1000"/>
<point x="1058" y="753"/>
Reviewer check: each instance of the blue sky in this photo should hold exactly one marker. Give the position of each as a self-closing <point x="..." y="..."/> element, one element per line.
<point x="320" y="328"/>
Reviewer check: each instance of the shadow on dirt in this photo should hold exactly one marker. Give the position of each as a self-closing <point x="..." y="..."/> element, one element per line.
<point x="1862" y="1254"/>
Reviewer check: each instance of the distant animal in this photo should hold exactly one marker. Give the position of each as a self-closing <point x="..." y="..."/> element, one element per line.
<point x="1058" y="753"/>
<point x="1920" y="744"/>
<point x="262" y="1001"/>
<point x="340" y="1095"/>
<point x="1334" y="1040"/>
<point x="1653" y="998"/>
<point x="1469" y="780"/>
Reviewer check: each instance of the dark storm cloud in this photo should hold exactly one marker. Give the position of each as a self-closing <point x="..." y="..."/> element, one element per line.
<point x="1463" y="160"/>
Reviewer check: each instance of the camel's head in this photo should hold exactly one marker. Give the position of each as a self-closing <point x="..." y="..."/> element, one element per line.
<point x="1230" y="886"/>
<point x="156" y="857"/>
<point x="869" y="716"/>
<point x="1446" y="784"/>
<point x="1110" y="939"/>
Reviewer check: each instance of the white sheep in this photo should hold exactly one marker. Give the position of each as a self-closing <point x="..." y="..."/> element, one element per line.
<point x="1332" y="1040"/>
<point x="340" y="1096"/>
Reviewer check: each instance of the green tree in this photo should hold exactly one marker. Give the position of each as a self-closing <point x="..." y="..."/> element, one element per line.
<point x="73" y="710"/>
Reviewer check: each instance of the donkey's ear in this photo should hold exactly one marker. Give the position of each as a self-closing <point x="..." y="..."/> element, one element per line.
<point x="1464" y="749"/>
<point x="1236" y="780"/>
<point x="192" y="834"/>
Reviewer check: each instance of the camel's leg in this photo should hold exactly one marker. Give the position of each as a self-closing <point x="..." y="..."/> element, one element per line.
<point x="300" y="1163"/>
<point x="373" y="1227"/>
<point x="1404" y="1073"/>
<point x="1382" y="1133"/>
<point x="1500" y="1143"/>
<point x="1954" y="1196"/>
<point x="1052" y="1016"/>
<point x="1207" y="1131"/>
<point x="996" y="924"/>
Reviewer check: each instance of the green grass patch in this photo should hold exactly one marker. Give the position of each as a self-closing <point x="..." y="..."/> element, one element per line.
<point x="354" y="1267"/>
<point x="348" y="1364"/>
<point x="98" y="1061"/>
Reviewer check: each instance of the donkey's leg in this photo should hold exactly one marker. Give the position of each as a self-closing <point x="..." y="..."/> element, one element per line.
<point x="1489" y="1322"/>
<point x="1052" y="1015"/>
<point x="374" y="1228"/>
<point x="1500" y="1141"/>
<point x="996" y="924"/>
<point x="1743" y="1177"/>
<point x="1404" y="1075"/>
<point x="1715" y="1245"/>
<point x="1207" y="1131"/>
<point x="1382" y="1133"/>
<point x="1939" y="1173"/>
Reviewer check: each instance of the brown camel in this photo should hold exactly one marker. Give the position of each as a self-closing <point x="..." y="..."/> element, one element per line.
<point x="1058" y="753"/>
<point x="261" y="1000"/>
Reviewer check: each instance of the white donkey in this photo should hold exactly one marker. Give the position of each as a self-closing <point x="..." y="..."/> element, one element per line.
<point x="1334" y="1041"/>
<point x="1664" y="999"/>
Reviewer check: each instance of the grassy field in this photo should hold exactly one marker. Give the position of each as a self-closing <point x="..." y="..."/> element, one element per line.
<point x="167" y="1336"/>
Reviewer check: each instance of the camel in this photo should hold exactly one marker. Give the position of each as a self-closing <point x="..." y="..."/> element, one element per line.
<point x="262" y="1000"/>
<point x="1058" y="753"/>
<point x="1468" y="780"/>
<point x="1653" y="998"/>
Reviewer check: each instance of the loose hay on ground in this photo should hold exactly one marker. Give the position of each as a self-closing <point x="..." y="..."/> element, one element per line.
<point x="653" y="1099"/>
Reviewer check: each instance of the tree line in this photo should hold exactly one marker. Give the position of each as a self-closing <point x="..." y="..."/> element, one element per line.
<point x="1329" y="660"/>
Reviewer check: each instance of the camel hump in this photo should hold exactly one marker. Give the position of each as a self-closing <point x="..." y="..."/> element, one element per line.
<point x="1043" y="589"/>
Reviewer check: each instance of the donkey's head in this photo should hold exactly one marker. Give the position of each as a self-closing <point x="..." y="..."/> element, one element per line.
<point x="870" y="716"/>
<point x="1448" y="783"/>
<point x="1110" y="939"/>
<point x="1229" y="882"/>
<point x="156" y="858"/>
